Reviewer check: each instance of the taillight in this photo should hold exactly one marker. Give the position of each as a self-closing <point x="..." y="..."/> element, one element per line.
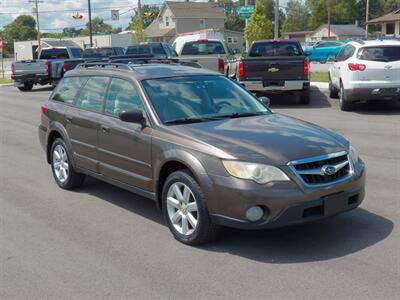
<point x="48" y="67"/>
<point x="221" y="65"/>
<point x="306" y="68"/>
<point x="13" y="69"/>
<point x="43" y="107"/>
<point x="357" y="67"/>
<point x="64" y="68"/>
<point x="240" y="70"/>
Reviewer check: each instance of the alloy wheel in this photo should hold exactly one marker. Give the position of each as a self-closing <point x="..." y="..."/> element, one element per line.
<point x="182" y="208"/>
<point x="60" y="163"/>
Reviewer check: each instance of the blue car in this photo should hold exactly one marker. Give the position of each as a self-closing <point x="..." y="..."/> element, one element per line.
<point x="324" y="51"/>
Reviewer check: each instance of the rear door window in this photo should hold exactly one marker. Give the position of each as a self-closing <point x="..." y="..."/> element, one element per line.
<point x="276" y="49"/>
<point x="203" y="48"/>
<point x="122" y="96"/>
<point x="93" y="93"/>
<point x="76" y="52"/>
<point x="67" y="90"/>
<point x="380" y="53"/>
<point x="54" y="53"/>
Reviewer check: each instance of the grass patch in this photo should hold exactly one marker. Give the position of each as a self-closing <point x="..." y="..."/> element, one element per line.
<point x="5" y="80"/>
<point x="319" y="76"/>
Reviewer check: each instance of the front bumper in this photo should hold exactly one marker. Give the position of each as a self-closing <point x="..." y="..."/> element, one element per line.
<point x="284" y="204"/>
<point x="276" y="86"/>
<point x="366" y="94"/>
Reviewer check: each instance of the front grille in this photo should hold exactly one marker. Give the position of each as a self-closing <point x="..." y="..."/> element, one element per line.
<point x="311" y="170"/>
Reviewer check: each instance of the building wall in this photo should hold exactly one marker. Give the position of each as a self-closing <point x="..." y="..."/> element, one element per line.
<point x="322" y="34"/>
<point x="188" y="25"/>
<point x="234" y="40"/>
<point x="171" y="22"/>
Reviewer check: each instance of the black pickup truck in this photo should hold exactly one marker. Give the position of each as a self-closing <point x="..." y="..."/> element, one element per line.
<point x="273" y="66"/>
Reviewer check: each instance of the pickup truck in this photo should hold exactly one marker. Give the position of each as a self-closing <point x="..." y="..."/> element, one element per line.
<point x="156" y="49"/>
<point x="48" y="69"/>
<point x="273" y="66"/>
<point x="208" y="53"/>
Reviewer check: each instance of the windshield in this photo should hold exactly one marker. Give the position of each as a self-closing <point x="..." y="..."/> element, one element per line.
<point x="203" y="48"/>
<point x="276" y="49"/>
<point x="98" y="52"/>
<point x="192" y="99"/>
<point x="380" y="53"/>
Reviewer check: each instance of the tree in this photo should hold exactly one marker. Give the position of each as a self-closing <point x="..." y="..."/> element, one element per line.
<point x="138" y="32"/>
<point x="258" y="27"/>
<point x="71" y="32"/>
<point x="390" y="5"/>
<point x="296" y="18"/>
<point x="98" y="27"/>
<point x="21" y="29"/>
<point x="149" y="13"/>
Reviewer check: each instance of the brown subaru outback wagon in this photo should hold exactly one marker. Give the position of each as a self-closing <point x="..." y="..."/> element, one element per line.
<point x="207" y="151"/>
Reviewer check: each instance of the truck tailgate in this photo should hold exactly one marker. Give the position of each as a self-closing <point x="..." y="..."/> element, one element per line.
<point x="30" y="67"/>
<point x="274" y="68"/>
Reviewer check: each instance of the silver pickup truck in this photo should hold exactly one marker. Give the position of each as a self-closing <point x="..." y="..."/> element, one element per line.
<point x="208" y="53"/>
<point x="47" y="69"/>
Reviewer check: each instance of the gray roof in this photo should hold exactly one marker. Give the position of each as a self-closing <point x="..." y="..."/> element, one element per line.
<point x="59" y="43"/>
<point x="153" y="30"/>
<point x="206" y="10"/>
<point x="391" y="17"/>
<point x="347" y="30"/>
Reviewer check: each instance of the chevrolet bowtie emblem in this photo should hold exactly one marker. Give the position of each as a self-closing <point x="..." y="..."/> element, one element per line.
<point x="273" y="70"/>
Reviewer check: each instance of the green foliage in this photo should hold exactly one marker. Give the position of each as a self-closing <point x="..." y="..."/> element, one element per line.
<point x="138" y="32"/>
<point x="21" y="29"/>
<point x="54" y="35"/>
<point x="98" y="27"/>
<point x="147" y="20"/>
<point x="258" y="27"/>
<point x="232" y="19"/>
<point x="71" y="32"/>
<point x="297" y="17"/>
<point x="390" y="5"/>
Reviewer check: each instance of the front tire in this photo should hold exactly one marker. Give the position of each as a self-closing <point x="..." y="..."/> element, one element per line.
<point x="184" y="210"/>
<point x="64" y="173"/>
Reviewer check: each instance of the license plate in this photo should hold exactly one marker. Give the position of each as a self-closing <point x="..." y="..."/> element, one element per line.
<point x="334" y="204"/>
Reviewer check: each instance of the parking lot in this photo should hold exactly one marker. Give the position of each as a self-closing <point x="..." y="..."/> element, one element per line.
<point x="101" y="242"/>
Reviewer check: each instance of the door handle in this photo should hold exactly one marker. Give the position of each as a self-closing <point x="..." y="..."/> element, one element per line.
<point x="105" y="129"/>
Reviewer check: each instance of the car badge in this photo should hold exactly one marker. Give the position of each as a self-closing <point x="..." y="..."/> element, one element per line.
<point x="329" y="170"/>
<point x="273" y="70"/>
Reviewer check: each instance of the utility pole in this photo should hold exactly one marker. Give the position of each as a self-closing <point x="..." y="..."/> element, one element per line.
<point x="139" y="11"/>
<point x="366" y="19"/>
<point x="90" y="24"/>
<point x="36" y="2"/>
<point x="329" y="20"/>
<point x="276" y="22"/>
<point x="246" y="2"/>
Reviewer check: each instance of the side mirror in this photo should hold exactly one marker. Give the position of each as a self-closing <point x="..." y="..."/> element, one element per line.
<point x="132" y="116"/>
<point x="265" y="100"/>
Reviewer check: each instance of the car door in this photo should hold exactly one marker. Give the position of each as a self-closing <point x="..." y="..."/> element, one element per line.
<point x="124" y="148"/>
<point x="83" y="122"/>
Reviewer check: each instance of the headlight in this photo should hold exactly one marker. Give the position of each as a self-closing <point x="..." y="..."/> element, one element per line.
<point x="353" y="154"/>
<point x="261" y="174"/>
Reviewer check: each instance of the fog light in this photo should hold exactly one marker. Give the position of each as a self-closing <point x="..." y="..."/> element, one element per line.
<point x="254" y="213"/>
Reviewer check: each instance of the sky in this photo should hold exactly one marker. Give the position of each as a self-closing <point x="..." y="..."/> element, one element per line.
<point x="57" y="14"/>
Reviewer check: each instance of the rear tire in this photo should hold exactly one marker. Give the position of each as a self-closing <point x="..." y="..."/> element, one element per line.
<point x="345" y="105"/>
<point x="305" y="97"/>
<point x="27" y="87"/>
<point x="63" y="171"/>
<point x="183" y="205"/>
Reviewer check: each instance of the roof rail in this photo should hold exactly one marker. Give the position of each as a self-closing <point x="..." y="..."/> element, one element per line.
<point x="150" y="59"/>
<point x="104" y="65"/>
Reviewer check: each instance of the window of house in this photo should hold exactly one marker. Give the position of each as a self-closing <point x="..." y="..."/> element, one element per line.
<point x="390" y="28"/>
<point x="232" y="40"/>
<point x="202" y="23"/>
<point x="167" y="21"/>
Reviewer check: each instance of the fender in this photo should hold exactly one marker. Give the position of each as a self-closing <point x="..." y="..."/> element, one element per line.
<point x="59" y="128"/>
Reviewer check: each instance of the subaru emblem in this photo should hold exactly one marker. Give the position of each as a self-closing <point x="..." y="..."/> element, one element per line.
<point x="328" y="170"/>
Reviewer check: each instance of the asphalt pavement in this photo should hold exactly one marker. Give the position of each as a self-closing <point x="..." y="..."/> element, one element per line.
<point x="101" y="242"/>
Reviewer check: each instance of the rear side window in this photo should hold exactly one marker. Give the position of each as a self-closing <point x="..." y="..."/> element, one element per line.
<point x="67" y="90"/>
<point x="380" y="53"/>
<point x="203" y="48"/>
<point x="97" y="53"/>
<point x="346" y="53"/>
<point x="76" y="52"/>
<point x="54" y="54"/>
<point x="122" y="96"/>
<point x="276" y="49"/>
<point x="93" y="93"/>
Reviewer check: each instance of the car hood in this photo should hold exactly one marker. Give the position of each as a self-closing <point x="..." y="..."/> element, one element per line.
<point x="274" y="139"/>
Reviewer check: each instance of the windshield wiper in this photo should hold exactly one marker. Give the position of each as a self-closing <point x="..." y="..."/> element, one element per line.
<point x="242" y="114"/>
<point x="188" y="120"/>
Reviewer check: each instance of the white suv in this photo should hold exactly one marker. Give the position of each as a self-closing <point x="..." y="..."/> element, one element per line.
<point x="366" y="70"/>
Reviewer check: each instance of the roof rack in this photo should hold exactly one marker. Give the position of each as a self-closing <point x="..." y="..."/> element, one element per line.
<point x="150" y="59"/>
<point x="104" y="65"/>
